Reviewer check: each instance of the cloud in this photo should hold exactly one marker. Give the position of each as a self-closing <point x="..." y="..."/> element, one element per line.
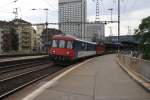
<point x="140" y="14"/>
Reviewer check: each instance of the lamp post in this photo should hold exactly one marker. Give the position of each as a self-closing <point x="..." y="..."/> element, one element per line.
<point x="46" y="11"/>
<point x="46" y="14"/>
<point x="46" y="25"/>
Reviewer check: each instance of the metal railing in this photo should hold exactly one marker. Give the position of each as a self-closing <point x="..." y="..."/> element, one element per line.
<point x="140" y="66"/>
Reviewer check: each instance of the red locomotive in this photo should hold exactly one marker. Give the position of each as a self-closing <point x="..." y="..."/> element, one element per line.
<point x="100" y="48"/>
<point x="69" y="48"/>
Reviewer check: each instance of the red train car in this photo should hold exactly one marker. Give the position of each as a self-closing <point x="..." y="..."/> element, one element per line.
<point x="62" y="48"/>
<point x="100" y="48"/>
<point x="69" y="48"/>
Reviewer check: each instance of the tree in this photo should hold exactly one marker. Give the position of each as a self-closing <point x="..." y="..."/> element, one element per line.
<point x="143" y="36"/>
<point x="14" y="39"/>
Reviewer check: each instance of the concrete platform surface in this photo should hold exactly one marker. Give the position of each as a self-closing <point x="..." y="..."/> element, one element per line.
<point x="99" y="79"/>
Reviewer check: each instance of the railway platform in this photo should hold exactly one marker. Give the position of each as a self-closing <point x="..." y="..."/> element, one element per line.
<point x="99" y="78"/>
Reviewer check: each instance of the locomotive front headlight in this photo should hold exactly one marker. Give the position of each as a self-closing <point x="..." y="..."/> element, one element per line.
<point x="67" y="52"/>
<point x="53" y="51"/>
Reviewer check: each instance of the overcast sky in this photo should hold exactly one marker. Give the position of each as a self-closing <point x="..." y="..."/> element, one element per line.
<point x="132" y="12"/>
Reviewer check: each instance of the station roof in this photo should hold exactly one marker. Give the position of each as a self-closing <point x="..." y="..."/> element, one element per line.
<point x="122" y="39"/>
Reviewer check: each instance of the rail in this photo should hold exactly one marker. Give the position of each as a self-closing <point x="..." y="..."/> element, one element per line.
<point x="140" y="66"/>
<point x="12" y="84"/>
<point x="11" y="55"/>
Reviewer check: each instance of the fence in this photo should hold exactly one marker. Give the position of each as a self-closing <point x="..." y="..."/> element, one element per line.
<point x="140" y="66"/>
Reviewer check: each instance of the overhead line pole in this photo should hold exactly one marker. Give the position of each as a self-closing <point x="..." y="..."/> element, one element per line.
<point x="84" y="20"/>
<point x="118" y="23"/>
<point x="46" y="29"/>
<point x="15" y="12"/>
<point x="110" y="9"/>
<point x="46" y="12"/>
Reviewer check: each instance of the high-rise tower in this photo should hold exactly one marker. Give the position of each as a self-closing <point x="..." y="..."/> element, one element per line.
<point x="72" y="15"/>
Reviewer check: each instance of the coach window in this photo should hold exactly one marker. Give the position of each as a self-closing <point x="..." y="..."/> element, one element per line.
<point x="61" y="44"/>
<point x="84" y="46"/>
<point x="69" y="44"/>
<point x="55" y="42"/>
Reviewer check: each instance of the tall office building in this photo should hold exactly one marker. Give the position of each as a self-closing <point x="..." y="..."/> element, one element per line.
<point x="72" y="14"/>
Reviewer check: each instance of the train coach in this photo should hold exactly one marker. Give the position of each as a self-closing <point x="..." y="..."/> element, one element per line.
<point x="66" y="48"/>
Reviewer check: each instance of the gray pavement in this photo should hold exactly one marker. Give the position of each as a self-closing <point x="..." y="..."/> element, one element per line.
<point x="99" y="79"/>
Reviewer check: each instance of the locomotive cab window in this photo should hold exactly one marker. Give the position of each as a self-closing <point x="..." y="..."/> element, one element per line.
<point x="84" y="46"/>
<point x="69" y="45"/>
<point x="55" y="43"/>
<point x="61" y="44"/>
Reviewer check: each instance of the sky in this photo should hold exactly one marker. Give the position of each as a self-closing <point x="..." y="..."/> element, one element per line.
<point x="132" y="12"/>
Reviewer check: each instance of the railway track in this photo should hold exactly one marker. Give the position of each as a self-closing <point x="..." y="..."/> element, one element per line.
<point x="16" y="78"/>
<point x="4" y="56"/>
<point x="15" y="67"/>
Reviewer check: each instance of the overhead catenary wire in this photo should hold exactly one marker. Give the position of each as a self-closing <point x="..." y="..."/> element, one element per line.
<point x="6" y="5"/>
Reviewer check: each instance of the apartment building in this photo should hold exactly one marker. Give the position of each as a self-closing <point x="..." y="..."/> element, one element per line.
<point x="25" y="31"/>
<point x="5" y="36"/>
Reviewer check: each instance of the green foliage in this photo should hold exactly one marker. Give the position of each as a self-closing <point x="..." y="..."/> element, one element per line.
<point x="146" y="52"/>
<point x="143" y="35"/>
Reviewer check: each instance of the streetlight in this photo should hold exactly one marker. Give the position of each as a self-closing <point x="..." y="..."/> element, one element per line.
<point x="46" y="24"/>
<point x="46" y="14"/>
